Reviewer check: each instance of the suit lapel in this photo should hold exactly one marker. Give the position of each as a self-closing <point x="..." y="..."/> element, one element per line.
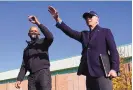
<point x="97" y="29"/>
<point x="87" y="38"/>
<point x="88" y="41"/>
<point x="94" y="36"/>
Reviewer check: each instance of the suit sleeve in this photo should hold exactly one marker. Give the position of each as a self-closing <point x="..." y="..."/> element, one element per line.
<point x="114" y="56"/>
<point x="68" y="31"/>
<point x="22" y="71"/>
<point x="48" y="35"/>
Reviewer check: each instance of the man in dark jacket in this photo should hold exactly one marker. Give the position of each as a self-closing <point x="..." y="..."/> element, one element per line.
<point x="95" y="42"/>
<point x="36" y="58"/>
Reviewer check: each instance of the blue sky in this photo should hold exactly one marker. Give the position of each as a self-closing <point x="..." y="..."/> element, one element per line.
<point x="14" y="26"/>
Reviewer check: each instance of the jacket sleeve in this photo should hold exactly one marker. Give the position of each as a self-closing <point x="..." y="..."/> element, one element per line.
<point x="48" y="35"/>
<point x="22" y="71"/>
<point x="68" y="31"/>
<point x="114" y="56"/>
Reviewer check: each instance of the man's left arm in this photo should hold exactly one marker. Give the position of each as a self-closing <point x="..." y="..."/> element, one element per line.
<point x="48" y="35"/>
<point x="114" y="56"/>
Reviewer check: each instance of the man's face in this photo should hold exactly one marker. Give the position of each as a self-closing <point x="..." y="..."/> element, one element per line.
<point x="33" y="33"/>
<point x="91" y="20"/>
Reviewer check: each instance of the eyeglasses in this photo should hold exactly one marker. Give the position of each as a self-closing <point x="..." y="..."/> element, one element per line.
<point x="89" y="16"/>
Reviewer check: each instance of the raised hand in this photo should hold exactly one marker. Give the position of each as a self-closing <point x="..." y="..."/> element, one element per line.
<point x="54" y="13"/>
<point x="33" y="19"/>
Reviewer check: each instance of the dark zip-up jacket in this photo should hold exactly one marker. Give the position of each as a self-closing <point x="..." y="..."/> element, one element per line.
<point x="35" y="55"/>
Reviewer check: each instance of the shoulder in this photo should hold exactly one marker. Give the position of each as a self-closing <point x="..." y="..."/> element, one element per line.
<point x="105" y="30"/>
<point x="85" y="31"/>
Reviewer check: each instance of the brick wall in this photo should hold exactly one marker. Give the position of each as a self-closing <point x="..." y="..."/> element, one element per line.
<point x="69" y="81"/>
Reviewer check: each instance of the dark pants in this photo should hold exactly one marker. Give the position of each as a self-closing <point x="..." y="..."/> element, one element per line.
<point x="98" y="83"/>
<point x="41" y="80"/>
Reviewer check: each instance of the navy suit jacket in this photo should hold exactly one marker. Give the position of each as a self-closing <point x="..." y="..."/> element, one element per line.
<point x="101" y="42"/>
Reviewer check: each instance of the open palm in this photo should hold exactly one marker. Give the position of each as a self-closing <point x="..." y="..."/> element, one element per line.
<point x="53" y="12"/>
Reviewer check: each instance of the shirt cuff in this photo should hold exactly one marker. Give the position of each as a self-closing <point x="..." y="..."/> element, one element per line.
<point x="59" y="22"/>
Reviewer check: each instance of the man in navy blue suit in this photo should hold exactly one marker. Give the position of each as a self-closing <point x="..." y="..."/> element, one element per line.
<point x="94" y="42"/>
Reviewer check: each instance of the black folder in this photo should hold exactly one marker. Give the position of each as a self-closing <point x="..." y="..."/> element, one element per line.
<point x="105" y="63"/>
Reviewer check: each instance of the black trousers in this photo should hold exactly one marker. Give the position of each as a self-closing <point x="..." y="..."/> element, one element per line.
<point x="98" y="83"/>
<point x="41" y="80"/>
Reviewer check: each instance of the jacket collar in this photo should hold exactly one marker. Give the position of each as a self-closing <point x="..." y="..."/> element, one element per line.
<point x="97" y="27"/>
<point x="31" y="42"/>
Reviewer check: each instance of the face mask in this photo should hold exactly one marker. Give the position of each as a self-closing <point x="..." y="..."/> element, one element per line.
<point x="34" y="36"/>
